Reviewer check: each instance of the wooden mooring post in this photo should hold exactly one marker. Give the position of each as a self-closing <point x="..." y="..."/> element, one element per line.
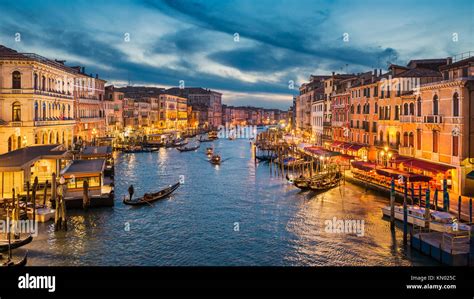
<point x="392" y="204"/>
<point x="405" y="214"/>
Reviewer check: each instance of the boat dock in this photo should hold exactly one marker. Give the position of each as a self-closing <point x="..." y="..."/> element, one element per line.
<point x="448" y="249"/>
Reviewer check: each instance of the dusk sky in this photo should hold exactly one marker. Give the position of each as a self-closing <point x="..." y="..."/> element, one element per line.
<point x="194" y="41"/>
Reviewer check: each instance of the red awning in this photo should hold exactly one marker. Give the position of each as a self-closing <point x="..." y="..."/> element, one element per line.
<point x="428" y="166"/>
<point x="336" y="143"/>
<point x="410" y="177"/>
<point x="356" y="147"/>
<point x="365" y="166"/>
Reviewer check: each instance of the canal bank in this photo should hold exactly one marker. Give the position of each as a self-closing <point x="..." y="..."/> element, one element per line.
<point x="233" y="214"/>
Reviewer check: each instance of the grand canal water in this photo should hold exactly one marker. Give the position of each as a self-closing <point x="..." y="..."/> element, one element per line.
<point x="233" y="214"/>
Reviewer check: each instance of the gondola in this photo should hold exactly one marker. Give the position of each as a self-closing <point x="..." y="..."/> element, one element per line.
<point x="14" y="243"/>
<point x="326" y="183"/>
<point x="188" y="149"/>
<point x="209" y="151"/>
<point x="151" y="197"/>
<point x="10" y="263"/>
<point x="141" y="150"/>
<point x="265" y="158"/>
<point x="205" y="140"/>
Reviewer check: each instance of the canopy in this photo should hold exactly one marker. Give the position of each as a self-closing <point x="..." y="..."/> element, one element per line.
<point x="428" y="166"/>
<point x="365" y="166"/>
<point x="395" y="174"/>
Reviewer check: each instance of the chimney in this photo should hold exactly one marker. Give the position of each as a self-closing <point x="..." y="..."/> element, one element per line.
<point x="375" y="72"/>
<point x="449" y="60"/>
<point x="83" y="70"/>
<point x="333" y="73"/>
<point x="97" y="76"/>
<point x="380" y="74"/>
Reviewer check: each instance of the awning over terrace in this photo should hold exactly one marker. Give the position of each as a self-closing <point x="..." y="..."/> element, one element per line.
<point x="409" y="177"/>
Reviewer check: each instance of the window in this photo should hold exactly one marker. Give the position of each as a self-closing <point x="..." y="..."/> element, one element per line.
<point x="435" y="105"/>
<point x="435" y="141"/>
<point x="405" y="139"/>
<point x="455" y="146"/>
<point x="412" y="109"/>
<point x="455" y="104"/>
<point x="411" y="141"/>
<point x="43" y="83"/>
<point x="35" y="83"/>
<point x="16" y="80"/>
<point x="16" y="111"/>
<point x="381" y="136"/>
<point x="36" y="111"/>
<point x="405" y="109"/>
<point x="418" y="107"/>
<point x="418" y="139"/>
<point x="358" y="109"/>
<point x="397" y="112"/>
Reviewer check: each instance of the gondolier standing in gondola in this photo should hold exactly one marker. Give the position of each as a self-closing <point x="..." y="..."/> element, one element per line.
<point x="130" y="191"/>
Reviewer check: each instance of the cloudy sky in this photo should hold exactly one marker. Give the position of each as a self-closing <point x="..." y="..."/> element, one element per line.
<point x="249" y="50"/>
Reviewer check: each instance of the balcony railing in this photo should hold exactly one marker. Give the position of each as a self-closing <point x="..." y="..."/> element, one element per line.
<point x="338" y="123"/>
<point x="66" y="121"/>
<point x="49" y="93"/>
<point x="407" y="151"/>
<point x="327" y="124"/>
<point x="408" y="119"/>
<point x="453" y="119"/>
<point x="393" y="146"/>
<point x="432" y="119"/>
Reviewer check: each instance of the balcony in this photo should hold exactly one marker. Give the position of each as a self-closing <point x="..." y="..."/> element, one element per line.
<point x="327" y="124"/>
<point x="338" y="123"/>
<point x="16" y="123"/>
<point x="457" y="120"/>
<point x="408" y="119"/>
<point x="50" y="93"/>
<point x="407" y="151"/>
<point x="432" y="119"/>
<point x="54" y="122"/>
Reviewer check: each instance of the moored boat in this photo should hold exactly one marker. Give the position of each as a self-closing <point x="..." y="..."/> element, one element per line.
<point x="151" y="197"/>
<point x="438" y="220"/>
<point x="12" y="263"/>
<point x="4" y="245"/>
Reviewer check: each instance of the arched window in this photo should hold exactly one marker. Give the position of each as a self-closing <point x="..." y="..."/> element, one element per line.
<point x="376" y="107"/>
<point x="44" y="112"/>
<point x="381" y="137"/>
<point x="398" y="139"/>
<point x="412" y="109"/>
<point x="411" y="139"/>
<point x="455" y="104"/>
<point x="10" y="144"/>
<point x="435" y="105"/>
<point x="405" y="139"/>
<point x="43" y="83"/>
<point x="16" y="111"/>
<point x="418" y="107"/>
<point x="16" y="80"/>
<point x="405" y="109"/>
<point x="358" y="109"/>
<point x="36" y="138"/>
<point x="352" y="109"/>
<point x="35" y="82"/>
<point x="36" y="110"/>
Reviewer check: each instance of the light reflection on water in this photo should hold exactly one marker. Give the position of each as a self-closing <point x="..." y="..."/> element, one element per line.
<point x="278" y="225"/>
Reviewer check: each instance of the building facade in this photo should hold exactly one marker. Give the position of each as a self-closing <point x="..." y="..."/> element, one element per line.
<point x="37" y="104"/>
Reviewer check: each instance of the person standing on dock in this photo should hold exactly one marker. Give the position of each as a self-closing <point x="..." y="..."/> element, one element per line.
<point x="131" y="191"/>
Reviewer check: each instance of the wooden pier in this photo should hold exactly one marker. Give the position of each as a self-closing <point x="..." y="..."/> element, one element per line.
<point x="448" y="249"/>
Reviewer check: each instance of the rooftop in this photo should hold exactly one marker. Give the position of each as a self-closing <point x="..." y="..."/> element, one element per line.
<point x="18" y="159"/>
<point x="84" y="167"/>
